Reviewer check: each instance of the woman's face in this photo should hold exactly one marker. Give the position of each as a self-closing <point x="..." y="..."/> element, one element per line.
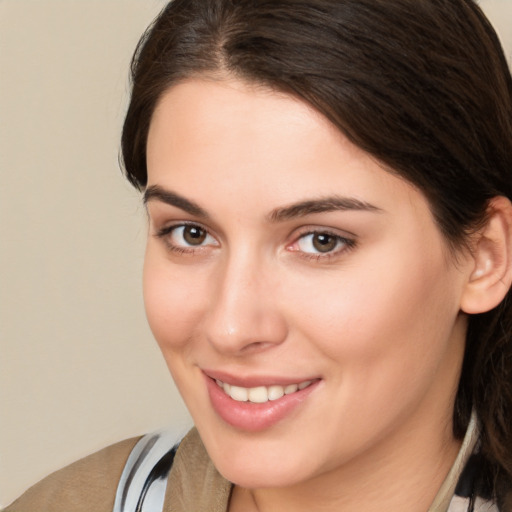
<point x="283" y="259"/>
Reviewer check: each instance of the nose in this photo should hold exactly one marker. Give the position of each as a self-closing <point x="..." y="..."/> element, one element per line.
<point x="244" y="315"/>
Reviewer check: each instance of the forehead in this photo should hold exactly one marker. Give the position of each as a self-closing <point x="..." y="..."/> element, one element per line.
<point x="260" y="145"/>
<point x="238" y="108"/>
<point x="247" y="122"/>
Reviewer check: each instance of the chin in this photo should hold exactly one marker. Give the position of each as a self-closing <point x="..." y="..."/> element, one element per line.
<point x="258" y="476"/>
<point x="254" y="462"/>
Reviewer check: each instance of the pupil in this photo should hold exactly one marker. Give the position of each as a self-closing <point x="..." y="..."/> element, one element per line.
<point x="324" y="242"/>
<point x="194" y="235"/>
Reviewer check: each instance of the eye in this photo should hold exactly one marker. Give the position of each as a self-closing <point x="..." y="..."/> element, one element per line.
<point x="318" y="242"/>
<point x="185" y="237"/>
<point x="191" y="235"/>
<point x="321" y="243"/>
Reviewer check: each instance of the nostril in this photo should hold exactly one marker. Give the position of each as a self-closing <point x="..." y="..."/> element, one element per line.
<point x="257" y="346"/>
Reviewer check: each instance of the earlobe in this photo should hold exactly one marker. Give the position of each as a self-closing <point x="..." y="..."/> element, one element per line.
<point x="491" y="275"/>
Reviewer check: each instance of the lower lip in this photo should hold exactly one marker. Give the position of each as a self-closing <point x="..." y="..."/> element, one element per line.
<point x="255" y="417"/>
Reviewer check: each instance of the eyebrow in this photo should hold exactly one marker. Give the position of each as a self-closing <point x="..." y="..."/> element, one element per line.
<point x="325" y="204"/>
<point x="157" y="193"/>
<point x="300" y="209"/>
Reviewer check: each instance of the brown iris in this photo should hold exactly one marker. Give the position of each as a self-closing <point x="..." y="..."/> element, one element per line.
<point x="324" y="242"/>
<point x="194" y="235"/>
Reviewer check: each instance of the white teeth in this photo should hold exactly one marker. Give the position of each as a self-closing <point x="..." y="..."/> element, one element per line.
<point x="239" y="394"/>
<point x="261" y="394"/>
<point x="258" y="395"/>
<point x="275" y="392"/>
<point x="304" y="384"/>
<point x="291" y="388"/>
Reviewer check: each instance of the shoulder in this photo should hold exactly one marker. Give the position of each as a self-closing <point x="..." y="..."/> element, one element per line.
<point x="88" y="484"/>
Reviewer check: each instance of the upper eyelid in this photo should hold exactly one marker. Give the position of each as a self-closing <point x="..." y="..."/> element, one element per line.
<point x="169" y="228"/>
<point x="162" y="217"/>
<point x="348" y="240"/>
<point x="311" y="230"/>
<point x="302" y="231"/>
<point x="164" y="233"/>
<point x="349" y="243"/>
<point x="176" y="224"/>
<point x="296" y="235"/>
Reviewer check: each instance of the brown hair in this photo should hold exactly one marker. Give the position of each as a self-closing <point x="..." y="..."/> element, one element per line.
<point x="422" y="85"/>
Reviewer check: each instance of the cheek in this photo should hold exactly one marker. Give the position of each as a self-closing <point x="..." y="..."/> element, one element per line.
<point x="387" y="318"/>
<point x="172" y="300"/>
<point x="385" y="343"/>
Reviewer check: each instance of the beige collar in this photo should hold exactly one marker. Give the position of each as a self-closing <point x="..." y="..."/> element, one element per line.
<point x="445" y="494"/>
<point x="194" y="484"/>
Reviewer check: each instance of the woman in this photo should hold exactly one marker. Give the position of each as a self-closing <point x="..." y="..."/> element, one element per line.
<point x="329" y="259"/>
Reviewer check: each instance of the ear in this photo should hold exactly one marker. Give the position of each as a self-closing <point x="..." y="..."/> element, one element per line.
<point x="491" y="275"/>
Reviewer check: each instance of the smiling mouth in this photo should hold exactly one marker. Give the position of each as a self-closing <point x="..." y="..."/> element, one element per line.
<point x="261" y="394"/>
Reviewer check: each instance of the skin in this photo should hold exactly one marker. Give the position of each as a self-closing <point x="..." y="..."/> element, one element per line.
<point x="377" y="320"/>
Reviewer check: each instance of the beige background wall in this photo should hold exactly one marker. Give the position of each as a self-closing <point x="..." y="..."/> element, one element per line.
<point x="78" y="366"/>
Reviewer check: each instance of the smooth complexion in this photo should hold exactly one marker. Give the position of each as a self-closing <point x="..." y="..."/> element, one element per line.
<point x="278" y="252"/>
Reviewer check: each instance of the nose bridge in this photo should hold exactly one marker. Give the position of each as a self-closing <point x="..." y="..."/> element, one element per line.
<point x="243" y="311"/>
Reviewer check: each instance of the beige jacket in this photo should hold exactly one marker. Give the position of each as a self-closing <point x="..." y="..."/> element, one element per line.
<point x="194" y="484"/>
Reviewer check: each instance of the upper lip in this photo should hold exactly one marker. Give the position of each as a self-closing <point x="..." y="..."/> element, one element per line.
<point x="252" y="381"/>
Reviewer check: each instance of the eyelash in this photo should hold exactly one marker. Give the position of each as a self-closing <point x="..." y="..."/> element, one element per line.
<point x="166" y="232"/>
<point x="347" y="243"/>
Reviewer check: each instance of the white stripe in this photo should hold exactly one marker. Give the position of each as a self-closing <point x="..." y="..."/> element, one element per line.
<point x="143" y="458"/>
